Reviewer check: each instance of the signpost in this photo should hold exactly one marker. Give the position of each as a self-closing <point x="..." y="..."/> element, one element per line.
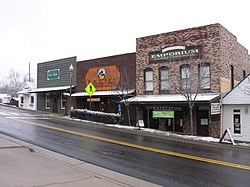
<point x="90" y="89"/>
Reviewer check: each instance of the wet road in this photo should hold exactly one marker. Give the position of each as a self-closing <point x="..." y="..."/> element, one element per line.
<point x="155" y="159"/>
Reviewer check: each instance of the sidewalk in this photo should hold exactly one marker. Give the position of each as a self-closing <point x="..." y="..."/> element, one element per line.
<point x="26" y="165"/>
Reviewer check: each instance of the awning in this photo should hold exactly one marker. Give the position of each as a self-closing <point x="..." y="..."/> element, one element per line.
<point x="171" y="98"/>
<point x="49" y="89"/>
<point x="103" y="93"/>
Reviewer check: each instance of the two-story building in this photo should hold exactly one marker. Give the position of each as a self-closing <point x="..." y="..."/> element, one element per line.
<point x="196" y="64"/>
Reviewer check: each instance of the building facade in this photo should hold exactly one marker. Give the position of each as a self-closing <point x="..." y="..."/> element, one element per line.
<point x="113" y="78"/>
<point x="236" y="109"/>
<point x="54" y="81"/>
<point x="26" y="99"/>
<point x="198" y="63"/>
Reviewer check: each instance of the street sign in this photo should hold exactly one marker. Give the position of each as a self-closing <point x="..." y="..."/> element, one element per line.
<point x="90" y="89"/>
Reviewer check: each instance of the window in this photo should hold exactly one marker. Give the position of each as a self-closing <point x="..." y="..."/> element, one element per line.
<point x="205" y="77"/>
<point x="232" y="76"/>
<point x="63" y="101"/>
<point x="32" y="100"/>
<point x="236" y="121"/>
<point x="47" y="101"/>
<point x="185" y="77"/>
<point x="164" y="82"/>
<point x="22" y="100"/>
<point x="149" y="80"/>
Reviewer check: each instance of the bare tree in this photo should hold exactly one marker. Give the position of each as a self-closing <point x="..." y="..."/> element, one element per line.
<point x="126" y="89"/>
<point x="13" y="83"/>
<point x="191" y="85"/>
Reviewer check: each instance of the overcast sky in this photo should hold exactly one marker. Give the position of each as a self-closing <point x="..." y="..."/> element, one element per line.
<point x="43" y="30"/>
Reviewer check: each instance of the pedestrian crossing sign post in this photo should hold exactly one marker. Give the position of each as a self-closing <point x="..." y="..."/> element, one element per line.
<point x="90" y="89"/>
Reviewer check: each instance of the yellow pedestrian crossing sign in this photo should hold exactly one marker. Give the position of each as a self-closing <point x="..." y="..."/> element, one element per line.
<point x="90" y="89"/>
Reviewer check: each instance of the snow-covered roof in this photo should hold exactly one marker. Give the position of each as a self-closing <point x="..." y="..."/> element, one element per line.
<point x="172" y="98"/>
<point x="26" y="87"/>
<point x="50" y="89"/>
<point x="103" y="93"/>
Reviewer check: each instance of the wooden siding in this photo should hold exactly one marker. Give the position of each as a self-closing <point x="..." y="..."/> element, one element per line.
<point x="63" y="65"/>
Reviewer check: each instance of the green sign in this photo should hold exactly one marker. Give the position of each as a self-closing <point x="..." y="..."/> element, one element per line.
<point x="163" y="114"/>
<point x="53" y="74"/>
<point x="90" y="89"/>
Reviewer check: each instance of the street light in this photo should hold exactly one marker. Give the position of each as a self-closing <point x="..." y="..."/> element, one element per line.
<point x="71" y="69"/>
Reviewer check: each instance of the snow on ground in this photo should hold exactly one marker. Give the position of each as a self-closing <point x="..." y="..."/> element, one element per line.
<point x="164" y="133"/>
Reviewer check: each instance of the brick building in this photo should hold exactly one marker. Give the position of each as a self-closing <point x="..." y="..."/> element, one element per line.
<point x="112" y="77"/>
<point x="206" y="61"/>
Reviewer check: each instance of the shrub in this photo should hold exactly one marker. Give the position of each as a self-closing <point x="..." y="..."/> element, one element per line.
<point x="109" y="118"/>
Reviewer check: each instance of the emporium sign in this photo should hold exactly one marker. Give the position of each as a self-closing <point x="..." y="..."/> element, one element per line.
<point x="175" y="53"/>
<point x="53" y="74"/>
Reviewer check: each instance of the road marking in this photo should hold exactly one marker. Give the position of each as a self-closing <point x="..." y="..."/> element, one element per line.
<point x="181" y="155"/>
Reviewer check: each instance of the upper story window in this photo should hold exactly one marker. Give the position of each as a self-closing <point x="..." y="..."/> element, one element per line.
<point x="164" y="80"/>
<point x="185" y="77"/>
<point x="148" y="77"/>
<point x="205" y="76"/>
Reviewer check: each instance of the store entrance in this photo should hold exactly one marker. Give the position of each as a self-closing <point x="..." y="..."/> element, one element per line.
<point x="202" y="123"/>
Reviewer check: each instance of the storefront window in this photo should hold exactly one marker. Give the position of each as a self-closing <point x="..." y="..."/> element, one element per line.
<point x="205" y="78"/>
<point x="63" y="101"/>
<point x="149" y="80"/>
<point x="47" y="101"/>
<point x="164" y="79"/>
<point x="185" y="77"/>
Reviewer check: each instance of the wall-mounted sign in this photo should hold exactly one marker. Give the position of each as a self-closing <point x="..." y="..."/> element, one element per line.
<point x="53" y="74"/>
<point x="215" y="108"/>
<point x="163" y="114"/>
<point x="104" y="78"/>
<point x="175" y="53"/>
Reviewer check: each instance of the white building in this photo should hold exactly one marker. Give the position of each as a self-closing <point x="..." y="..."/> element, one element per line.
<point x="27" y="99"/>
<point x="236" y="111"/>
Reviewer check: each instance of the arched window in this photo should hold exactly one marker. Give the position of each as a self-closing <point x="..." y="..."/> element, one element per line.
<point x="205" y="76"/>
<point x="148" y="77"/>
<point x="185" y="77"/>
<point x="164" y="82"/>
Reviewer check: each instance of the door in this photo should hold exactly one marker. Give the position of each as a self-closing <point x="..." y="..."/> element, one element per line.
<point x="178" y="118"/>
<point x="54" y="105"/>
<point x="202" y="123"/>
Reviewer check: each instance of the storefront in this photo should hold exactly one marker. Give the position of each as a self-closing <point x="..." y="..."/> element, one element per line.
<point x="113" y="79"/>
<point x="203" y="61"/>
<point x="54" y="81"/>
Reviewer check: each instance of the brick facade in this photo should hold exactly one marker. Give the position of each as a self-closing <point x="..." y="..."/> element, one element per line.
<point x="218" y="47"/>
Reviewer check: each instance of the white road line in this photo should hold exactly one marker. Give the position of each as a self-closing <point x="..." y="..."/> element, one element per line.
<point x="5" y="114"/>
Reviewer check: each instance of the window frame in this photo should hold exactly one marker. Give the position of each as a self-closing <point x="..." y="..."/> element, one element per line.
<point x="206" y="86"/>
<point x="187" y="79"/>
<point x="148" y="81"/>
<point x="63" y="101"/>
<point x="47" y="101"/>
<point x="164" y="80"/>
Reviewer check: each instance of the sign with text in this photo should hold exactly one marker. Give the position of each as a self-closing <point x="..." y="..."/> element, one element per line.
<point x="215" y="108"/>
<point x="53" y="74"/>
<point x="163" y="114"/>
<point x="175" y="53"/>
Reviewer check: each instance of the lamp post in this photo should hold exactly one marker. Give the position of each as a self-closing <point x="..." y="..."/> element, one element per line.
<point x="71" y="69"/>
